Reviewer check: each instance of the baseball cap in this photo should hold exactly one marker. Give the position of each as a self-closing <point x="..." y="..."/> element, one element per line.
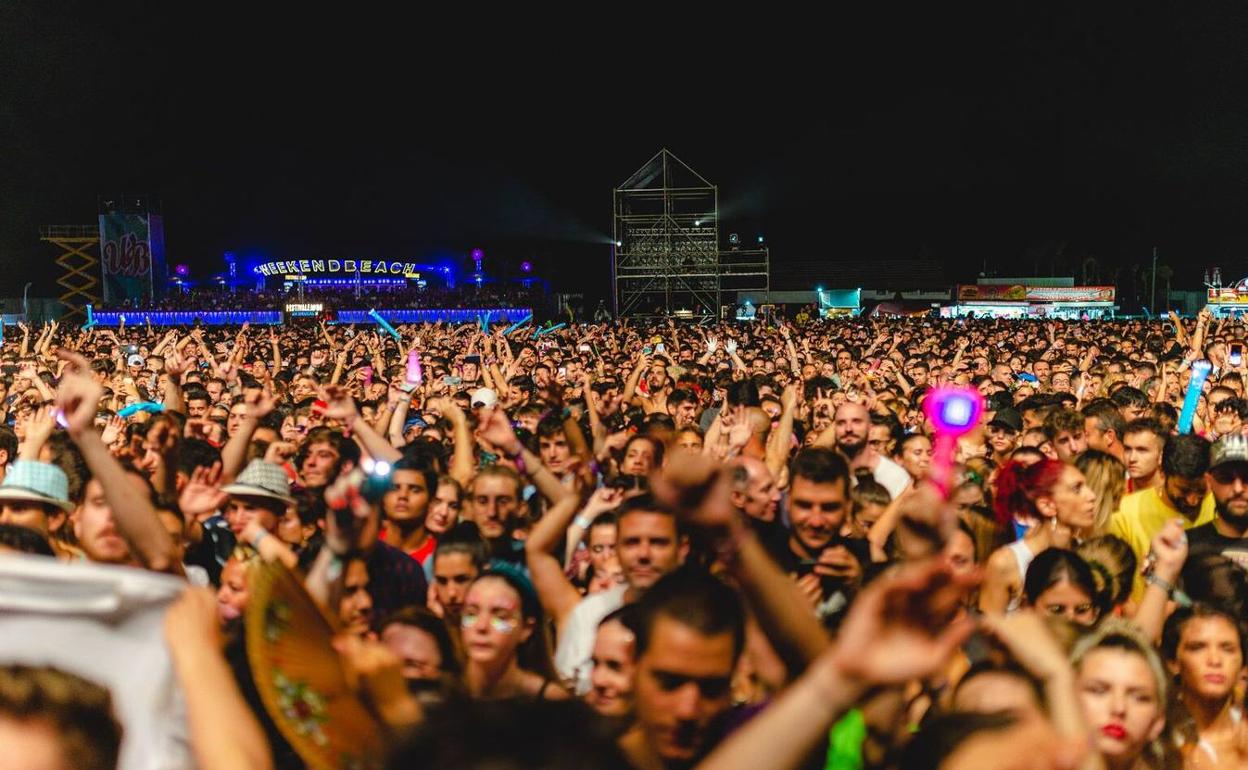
<point x="135" y="360"/>
<point x="1009" y="419"/>
<point x="483" y="397"/>
<point x="1228" y="449"/>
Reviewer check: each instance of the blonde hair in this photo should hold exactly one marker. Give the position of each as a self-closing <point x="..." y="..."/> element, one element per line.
<point x="1123" y="635"/>
<point x="1108" y="478"/>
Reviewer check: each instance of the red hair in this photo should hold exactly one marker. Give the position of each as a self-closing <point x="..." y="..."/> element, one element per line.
<point x="1018" y="486"/>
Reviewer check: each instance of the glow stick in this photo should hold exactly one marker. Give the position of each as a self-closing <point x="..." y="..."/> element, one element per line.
<point x="90" y="318"/>
<point x="142" y="406"/>
<point x="1200" y="372"/>
<point x="954" y="412"/>
<point x="550" y="329"/>
<point x="383" y="323"/>
<point x="414" y="375"/>
<point x="518" y="324"/>
<point x="484" y="318"/>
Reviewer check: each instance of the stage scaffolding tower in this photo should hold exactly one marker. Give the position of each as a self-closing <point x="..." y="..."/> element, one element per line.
<point x="666" y="260"/>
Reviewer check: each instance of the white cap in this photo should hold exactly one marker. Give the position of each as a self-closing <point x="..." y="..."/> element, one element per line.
<point x="135" y="360"/>
<point x="483" y="397"/>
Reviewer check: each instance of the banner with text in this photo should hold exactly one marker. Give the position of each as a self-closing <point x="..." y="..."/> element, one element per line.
<point x="126" y="256"/>
<point x="1020" y="293"/>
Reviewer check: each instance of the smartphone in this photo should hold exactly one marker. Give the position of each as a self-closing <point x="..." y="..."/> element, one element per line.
<point x="647" y="350"/>
<point x="660" y="348"/>
<point x="452" y="380"/>
<point x="563" y="371"/>
<point x="1237" y="355"/>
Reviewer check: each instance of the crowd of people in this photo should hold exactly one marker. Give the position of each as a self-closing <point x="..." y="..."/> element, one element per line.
<point x="220" y="297"/>
<point x="657" y="545"/>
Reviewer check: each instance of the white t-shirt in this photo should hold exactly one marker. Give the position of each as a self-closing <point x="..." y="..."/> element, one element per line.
<point x="575" y="648"/>
<point x="105" y="624"/>
<point x="891" y="476"/>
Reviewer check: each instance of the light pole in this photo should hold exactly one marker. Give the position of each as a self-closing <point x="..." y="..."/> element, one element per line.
<point x="1152" y="295"/>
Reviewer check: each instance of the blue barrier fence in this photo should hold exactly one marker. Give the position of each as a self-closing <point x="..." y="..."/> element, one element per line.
<point x="187" y="317"/>
<point x="433" y="315"/>
<point x="272" y="317"/>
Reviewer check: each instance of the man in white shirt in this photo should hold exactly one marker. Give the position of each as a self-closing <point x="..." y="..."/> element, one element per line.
<point x="649" y="545"/>
<point x="849" y="433"/>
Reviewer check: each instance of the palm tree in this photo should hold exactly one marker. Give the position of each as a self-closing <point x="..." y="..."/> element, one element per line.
<point x="1165" y="273"/>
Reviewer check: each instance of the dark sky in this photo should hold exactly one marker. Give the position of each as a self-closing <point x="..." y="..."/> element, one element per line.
<point x="998" y="139"/>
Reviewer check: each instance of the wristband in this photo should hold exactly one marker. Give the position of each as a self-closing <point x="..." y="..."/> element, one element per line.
<point x="259" y="538"/>
<point x="1165" y="585"/>
<point x="582" y="521"/>
<point x="518" y="459"/>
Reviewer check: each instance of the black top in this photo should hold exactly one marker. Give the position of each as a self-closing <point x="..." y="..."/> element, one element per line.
<point x="1207" y="538"/>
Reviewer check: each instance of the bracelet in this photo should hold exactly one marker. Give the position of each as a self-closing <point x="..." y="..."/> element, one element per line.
<point x="259" y="538"/>
<point x="1162" y="583"/>
<point x="518" y="459"/>
<point x="582" y="521"/>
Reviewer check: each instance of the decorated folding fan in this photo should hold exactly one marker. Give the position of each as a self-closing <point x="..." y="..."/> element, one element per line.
<point x="301" y="679"/>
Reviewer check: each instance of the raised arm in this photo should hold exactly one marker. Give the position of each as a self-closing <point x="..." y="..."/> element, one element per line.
<point x="1168" y="553"/>
<point x="224" y="732"/>
<point x="340" y="406"/>
<point x="463" y="459"/>
<point x="234" y="453"/>
<point x="557" y="594"/>
<point x="778" y="447"/>
<point x="136" y="519"/>
<point x="498" y="431"/>
<point x="889" y="638"/>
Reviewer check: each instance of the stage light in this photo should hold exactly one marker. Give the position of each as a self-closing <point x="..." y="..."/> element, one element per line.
<point x="734" y="239"/>
<point x="618" y="244"/>
<point x="478" y="254"/>
<point x="526" y="267"/>
<point x="760" y="239"/>
<point x="697" y="223"/>
<point x="182" y="270"/>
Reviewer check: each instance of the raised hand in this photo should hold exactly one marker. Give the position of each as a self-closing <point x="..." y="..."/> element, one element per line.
<point x="712" y="343"/>
<point x="496" y="429"/>
<point x="338" y="404"/>
<point x="202" y="497"/>
<point x="113" y="430"/>
<point x="730" y="347"/>
<point x="1169" y="551"/>
<point x="1029" y="641"/>
<point x="78" y="396"/>
<point x="176" y="365"/>
<point x="260" y="404"/>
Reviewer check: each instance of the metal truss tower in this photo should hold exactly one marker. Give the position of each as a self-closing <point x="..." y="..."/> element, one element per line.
<point x="666" y="259"/>
<point x="79" y="267"/>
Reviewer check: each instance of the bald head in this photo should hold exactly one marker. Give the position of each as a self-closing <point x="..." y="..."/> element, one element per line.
<point x="754" y="490"/>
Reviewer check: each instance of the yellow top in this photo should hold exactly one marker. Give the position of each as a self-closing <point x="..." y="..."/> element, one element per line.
<point x="1139" y="518"/>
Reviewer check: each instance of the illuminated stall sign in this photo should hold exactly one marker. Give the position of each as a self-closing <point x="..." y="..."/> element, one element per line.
<point x="1021" y="293"/>
<point x="1229" y="295"/>
<point x="338" y="266"/>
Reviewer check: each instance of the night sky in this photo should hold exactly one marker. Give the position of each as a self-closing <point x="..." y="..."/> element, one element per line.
<point x="1025" y="136"/>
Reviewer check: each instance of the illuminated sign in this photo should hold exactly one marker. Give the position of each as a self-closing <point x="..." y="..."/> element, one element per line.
<point x="317" y="266"/>
<point x="304" y="308"/>
<point x="1020" y="293"/>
